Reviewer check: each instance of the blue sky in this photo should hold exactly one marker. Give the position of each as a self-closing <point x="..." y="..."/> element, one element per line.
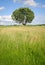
<point x="8" y="6"/>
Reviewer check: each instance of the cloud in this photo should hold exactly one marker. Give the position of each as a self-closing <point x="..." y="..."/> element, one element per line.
<point x="1" y="8"/>
<point x="43" y="6"/>
<point x="31" y="3"/>
<point x="5" y="18"/>
<point x="39" y="19"/>
<point x="14" y="1"/>
<point x="1" y="23"/>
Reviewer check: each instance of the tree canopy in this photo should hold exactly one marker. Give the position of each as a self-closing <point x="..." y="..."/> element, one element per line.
<point x="23" y="15"/>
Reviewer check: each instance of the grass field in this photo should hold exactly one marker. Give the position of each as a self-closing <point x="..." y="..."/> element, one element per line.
<point x="22" y="45"/>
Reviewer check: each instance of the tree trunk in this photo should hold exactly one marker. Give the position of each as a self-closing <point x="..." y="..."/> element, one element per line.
<point x="25" y="21"/>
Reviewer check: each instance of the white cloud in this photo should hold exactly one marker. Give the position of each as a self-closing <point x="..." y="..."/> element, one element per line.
<point x="17" y="1"/>
<point x="31" y="3"/>
<point x="14" y="1"/>
<point x="1" y="23"/>
<point x="1" y="8"/>
<point x="43" y="6"/>
<point x="39" y="19"/>
<point x="5" y="18"/>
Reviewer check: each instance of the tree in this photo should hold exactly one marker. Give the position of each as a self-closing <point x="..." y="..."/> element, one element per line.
<point x="23" y="15"/>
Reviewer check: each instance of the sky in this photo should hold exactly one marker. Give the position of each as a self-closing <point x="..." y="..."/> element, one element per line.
<point x="8" y="6"/>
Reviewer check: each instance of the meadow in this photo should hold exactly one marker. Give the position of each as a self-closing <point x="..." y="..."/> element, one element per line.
<point x="22" y="45"/>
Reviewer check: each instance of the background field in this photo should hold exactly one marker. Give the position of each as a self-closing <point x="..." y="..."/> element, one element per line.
<point x="22" y="45"/>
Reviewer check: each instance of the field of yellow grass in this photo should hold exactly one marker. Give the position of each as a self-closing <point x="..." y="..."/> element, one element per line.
<point x="22" y="45"/>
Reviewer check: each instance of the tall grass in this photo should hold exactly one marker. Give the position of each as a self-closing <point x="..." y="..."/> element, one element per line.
<point x="22" y="45"/>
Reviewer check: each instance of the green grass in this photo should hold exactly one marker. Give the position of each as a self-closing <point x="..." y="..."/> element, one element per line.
<point x="22" y="45"/>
